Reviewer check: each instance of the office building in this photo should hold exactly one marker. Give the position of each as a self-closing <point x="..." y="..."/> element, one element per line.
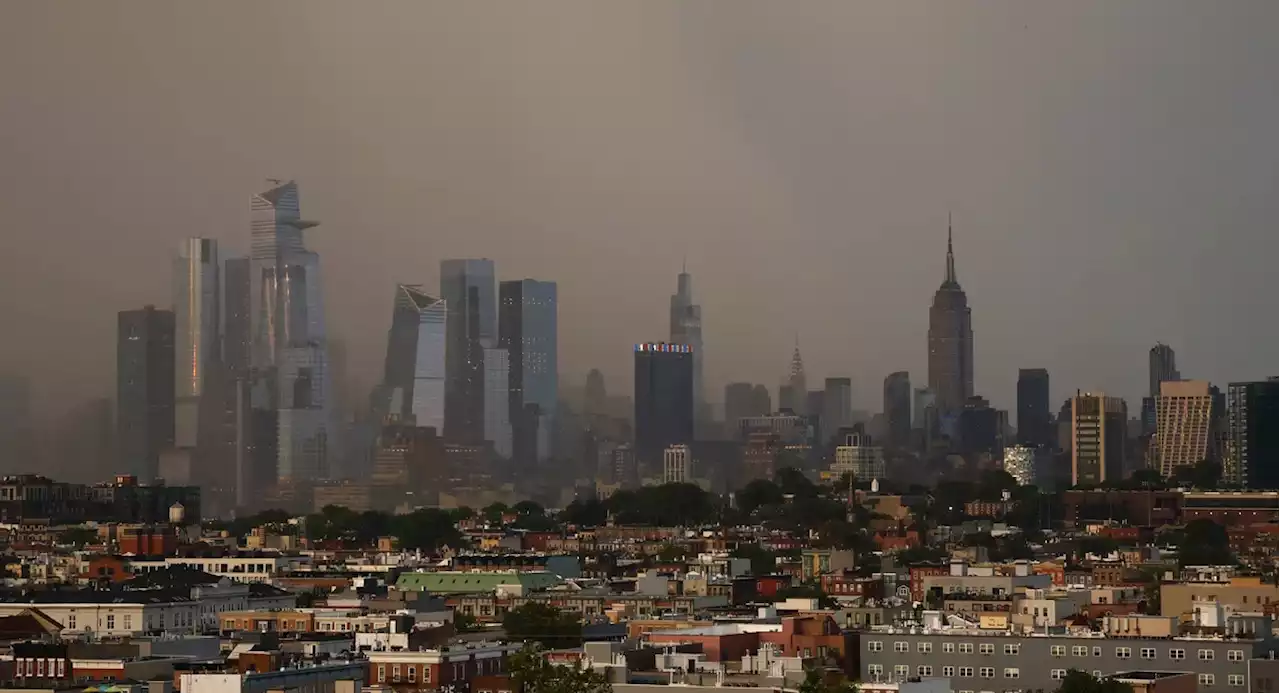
<point x="1098" y="434"/>
<point x="288" y="349"/>
<point x="236" y="331"/>
<point x="596" y="400"/>
<point x="686" y="328"/>
<point x="897" y="409"/>
<point x="144" y="389"/>
<point x="1035" y="427"/>
<point x="837" y="403"/>
<point x="196" y="345"/>
<point x="467" y="287"/>
<point x="497" y="410"/>
<point x="527" y="331"/>
<point x="677" y="465"/>
<point x="414" y="371"/>
<point x="794" y="394"/>
<point x="950" y="341"/>
<point x="1184" y="412"/>
<point x="859" y="457"/>
<point x="663" y="400"/>
<point x="981" y="428"/>
<point x="742" y="400"/>
<point x="1251" y="425"/>
<point x="1162" y="367"/>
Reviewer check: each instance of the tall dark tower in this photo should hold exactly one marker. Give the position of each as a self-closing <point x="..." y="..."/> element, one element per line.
<point x="663" y="400"/>
<point x="144" y="389"/>
<point x="950" y="341"/>
<point x="1034" y="428"/>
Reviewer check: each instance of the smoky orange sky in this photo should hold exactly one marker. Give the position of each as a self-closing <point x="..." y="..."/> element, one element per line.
<point x="1110" y="166"/>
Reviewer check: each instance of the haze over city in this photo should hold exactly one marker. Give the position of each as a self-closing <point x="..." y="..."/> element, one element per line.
<point x="1109" y="169"/>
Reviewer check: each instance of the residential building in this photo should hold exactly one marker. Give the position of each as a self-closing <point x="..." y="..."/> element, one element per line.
<point x="1239" y="594"/>
<point x="144" y="389"/>
<point x="1098" y="438"/>
<point x="1184" y="412"/>
<point x="677" y="465"/>
<point x="467" y="287"/>
<point x="1252" y="427"/>
<point x="897" y="408"/>
<point x="663" y="400"/>
<point x="527" y="330"/>
<point x="438" y="669"/>
<point x="950" y="341"/>
<point x="857" y="456"/>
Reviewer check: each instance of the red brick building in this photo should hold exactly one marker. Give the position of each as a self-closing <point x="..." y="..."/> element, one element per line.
<point x="428" y="670"/>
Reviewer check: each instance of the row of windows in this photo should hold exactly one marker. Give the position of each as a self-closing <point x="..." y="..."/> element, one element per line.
<point x="986" y="648"/>
<point x="902" y="671"/>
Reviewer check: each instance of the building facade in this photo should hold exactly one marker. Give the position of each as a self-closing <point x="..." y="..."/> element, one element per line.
<point x="414" y="373"/>
<point x="1251" y="425"/>
<point x="950" y="341"/>
<point x="897" y="408"/>
<point x="677" y="465"/>
<point x="1099" y="427"/>
<point x="663" y="400"/>
<point x="527" y="330"/>
<point x="467" y="287"/>
<point x="144" y="389"/>
<point x="686" y="328"/>
<point x="1184" y="413"/>
<point x="497" y="410"/>
<point x="1035" y="426"/>
<point x="1161" y="367"/>
<point x="197" y="347"/>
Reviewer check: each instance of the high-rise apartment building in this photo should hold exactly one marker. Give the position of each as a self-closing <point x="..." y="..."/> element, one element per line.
<point x="1251" y="426"/>
<point x="663" y="400"/>
<point x="686" y="328"/>
<point x="144" y="389"/>
<point x="1099" y="426"/>
<point x="467" y="286"/>
<point x="837" y="403"/>
<point x="497" y="409"/>
<point x="414" y="372"/>
<point x="288" y="349"/>
<point x="950" y="341"/>
<point x="897" y="408"/>
<point x="1162" y="367"/>
<point x="197" y="348"/>
<point x="1035" y="427"/>
<point x="527" y="329"/>
<point x="1184" y="418"/>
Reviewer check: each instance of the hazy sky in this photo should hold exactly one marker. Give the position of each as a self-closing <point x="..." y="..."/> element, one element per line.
<point x="1111" y="168"/>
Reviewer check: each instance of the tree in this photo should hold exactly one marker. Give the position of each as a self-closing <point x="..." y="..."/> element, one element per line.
<point x="763" y="561"/>
<point x="809" y="591"/>
<point x="588" y="513"/>
<point x="425" y="529"/>
<point x="1077" y="681"/>
<point x="793" y="482"/>
<point x="672" y="552"/>
<point x="77" y="536"/>
<point x="1205" y="475"/>
<point x="546" y="625"/>
<point x="493" y="513"/>
<point x="532" y="673"/>
<point x="1204" y="542"/>
<point x="465" y="623"/>
<point x="815" y="682"/>
<point x="757" y="493"/>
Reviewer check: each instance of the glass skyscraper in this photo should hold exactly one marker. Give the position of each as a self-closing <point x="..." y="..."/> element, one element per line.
<point x="414" y="378"/>
<point x="663" y="400"/>
<point x="144" y="389"/>
<point x="467" y="286"/>
<point x="289" y="357"/>
<point x="527" y="330"/>
<point x="196" y="346"/>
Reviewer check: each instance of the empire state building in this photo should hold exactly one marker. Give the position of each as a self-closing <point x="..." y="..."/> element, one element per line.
<point x="950" y="341"/>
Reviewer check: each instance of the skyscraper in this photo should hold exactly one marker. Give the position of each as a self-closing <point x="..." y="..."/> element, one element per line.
<point x="742" y="400"/>
<point x="144" y="389"/>
<point x="288" y="354"/>
<point x="686" y="328"/>
<point x="497" y="408"/>
<point x="467" y="286"/>
<point x="596" y="395"/>
<point x="414" y="374"/>
<point x="837" y="404"/>
<point x="1162" y="366"/>
<point x="197" y="348"/>
<point x="1184" y="412"/>
<point x="236" y="302"/>
<point x="950" y="341"/>
<point x="897" y="408"/>
<point x="795" y="395"/>
<point x="1098" y="435"/>
<point x="1034" y="427"/>
<point x="1251" y="424"/>
<point x="527" y="329"/>
<point x="663" y="400"/>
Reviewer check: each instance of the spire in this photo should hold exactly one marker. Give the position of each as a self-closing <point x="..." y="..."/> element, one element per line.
<point x="951" y="257"/>
<point x="797" y="363"/>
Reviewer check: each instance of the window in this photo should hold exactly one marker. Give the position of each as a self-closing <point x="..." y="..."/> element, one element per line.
<point x="111" y="621"/>
<point x="900" y="646"/>
<point x="1012" y="649"/>
<point x="924" y="670"/>
<point x="1058" y="650"/>
<point x="413" y="673"/>
<point x="1236" y="680"/>
<point x="1148" y="652"/>
<point x="1205" y="655"/>
<point x="948" y="671"/>
<point x="987" y="672"/>
<point x="924" y="647"/>
<point x="948" y="647"/>
<point x="1205" y="679"/>
<point x="1177" y="655"/>
<point x="875" y="671"/>
<point x="426" y="674"/>
<point x="1235" y="655"/>
<point x="1097" y="651"/>
<point x="1057" y="674"/>
<point x="901" y="671"/>
<point x="71" y="621"/>
<point x="1079" y="651"/>
<point x="874" y="646"/>
<point x="966" y="648"/>
<point x="395" y="672"/>
<point x="986" y="648"/>
<point x="40" y="667"/>
<point x="382" y="673"/>
<point x="1124" y="652"/>
<point x="1011" y="673"/>
<point x="966" y="672"/>
<point x="807" y="653"/>
<point x="128" y="622"/>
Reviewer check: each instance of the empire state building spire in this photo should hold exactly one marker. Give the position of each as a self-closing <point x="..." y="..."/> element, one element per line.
<point x="951" y="258"/>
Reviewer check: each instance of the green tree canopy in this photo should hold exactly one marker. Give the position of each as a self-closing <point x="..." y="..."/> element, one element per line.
<point x="546" y="625"/>
<point x="763" y="561"/>
<point x="532" y="673"/>
<point x="757" y="493"/>
<point x="1077" y="681"/>
<point x="1204" y="542"/>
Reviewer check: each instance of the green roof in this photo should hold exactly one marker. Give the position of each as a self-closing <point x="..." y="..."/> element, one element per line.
<point x="466" y="583"/>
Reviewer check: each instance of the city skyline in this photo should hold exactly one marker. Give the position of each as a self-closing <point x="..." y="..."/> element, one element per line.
<point x="841" y="215"/>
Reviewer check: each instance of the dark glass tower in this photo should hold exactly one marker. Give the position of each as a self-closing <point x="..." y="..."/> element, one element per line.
<point x="950" y="341"/>
<point x="527" y="317"/>
<point x="1161" y="365"/>
<point x="664" y="400"/>
<point x="1034" y="428"/>
<point x="467" y="286"/>
<point x="144" y="389"/>
<point x="897" y="408"/>
<point x="1251" y="425"/>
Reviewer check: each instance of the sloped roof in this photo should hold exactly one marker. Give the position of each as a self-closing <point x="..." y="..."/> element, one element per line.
<point x="466" y="583"/>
